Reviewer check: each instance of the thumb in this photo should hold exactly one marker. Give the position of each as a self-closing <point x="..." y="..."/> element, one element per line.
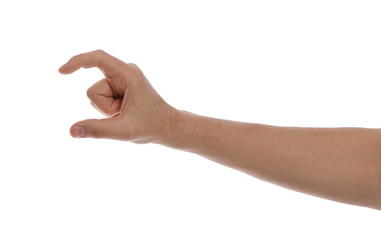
<point x="97" y="128"/>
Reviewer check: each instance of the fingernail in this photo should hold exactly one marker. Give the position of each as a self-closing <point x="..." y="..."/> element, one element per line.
<point x="78" y="132"/>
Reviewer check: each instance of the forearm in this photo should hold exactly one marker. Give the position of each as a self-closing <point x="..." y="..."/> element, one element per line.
<point x="341" y="164"/>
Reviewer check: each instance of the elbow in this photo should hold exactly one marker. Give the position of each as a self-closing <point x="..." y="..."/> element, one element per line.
<point x="370" y="194"/>
<point x="373" y="203"/>
<point x="376" y="205"/>
<point x="376" y="199"/>
<point x="376" y="179"/>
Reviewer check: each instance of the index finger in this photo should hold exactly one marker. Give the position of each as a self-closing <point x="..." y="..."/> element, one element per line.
<point x="109" y="65"/>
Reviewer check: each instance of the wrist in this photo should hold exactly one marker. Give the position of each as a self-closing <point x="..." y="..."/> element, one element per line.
<point x="168" y="122"/>
<point x="173" y="129"/>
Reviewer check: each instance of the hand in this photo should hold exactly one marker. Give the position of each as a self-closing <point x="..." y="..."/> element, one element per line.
<point x="135" y="110"/>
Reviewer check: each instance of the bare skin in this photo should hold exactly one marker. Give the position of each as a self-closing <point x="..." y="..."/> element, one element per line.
<point x="341" y="164"/>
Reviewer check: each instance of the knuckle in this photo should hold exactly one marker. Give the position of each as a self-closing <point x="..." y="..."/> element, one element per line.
<point x="90" y="93"/>
<point x="97" y="131"/>
<point x="100" y="52"/>
<point x="134" y="68"/>
<point x="99" y="55"/>
<point x="133" y="65"/>
<point x="131" y="72"/>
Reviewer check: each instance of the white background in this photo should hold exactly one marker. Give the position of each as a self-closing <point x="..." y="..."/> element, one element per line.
<point x="292" y="63"/>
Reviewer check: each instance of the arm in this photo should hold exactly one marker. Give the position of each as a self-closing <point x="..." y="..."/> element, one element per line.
<point x="341" y="164"/>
